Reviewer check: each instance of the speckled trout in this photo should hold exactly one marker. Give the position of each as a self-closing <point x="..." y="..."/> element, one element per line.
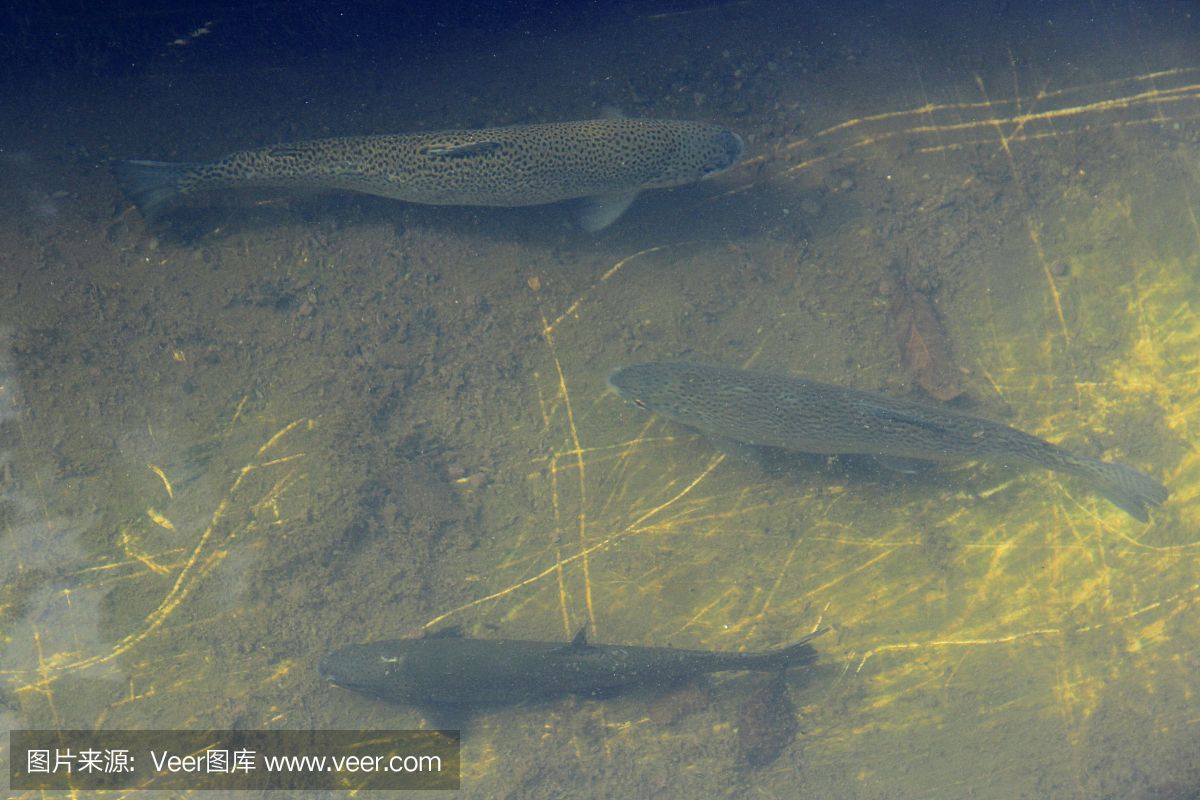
<point x="605" y="161"/>
<point x="764" y="410"/>
<point x="449" y="670"/>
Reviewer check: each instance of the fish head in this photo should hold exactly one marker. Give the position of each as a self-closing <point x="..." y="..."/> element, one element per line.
<point x="722" y="152"/>
<point x="697" y="150"/>
<point x="375" y="668"/>
<point x="673" y="389"/>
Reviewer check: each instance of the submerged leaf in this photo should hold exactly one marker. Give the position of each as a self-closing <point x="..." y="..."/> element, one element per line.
<point x="766" y="724"/>
<point x="924" y="343"/>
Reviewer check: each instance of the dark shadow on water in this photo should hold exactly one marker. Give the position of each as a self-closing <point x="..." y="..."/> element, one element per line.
<point x="656" y="215"/>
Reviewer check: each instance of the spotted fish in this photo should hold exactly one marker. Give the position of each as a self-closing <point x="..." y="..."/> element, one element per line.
<point x="758" y="409"/>
<point x="606" y="161"/>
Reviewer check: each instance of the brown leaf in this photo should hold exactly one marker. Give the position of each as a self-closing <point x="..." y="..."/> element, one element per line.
<point x="924" y="344"/>
<point x="766" y="724"/>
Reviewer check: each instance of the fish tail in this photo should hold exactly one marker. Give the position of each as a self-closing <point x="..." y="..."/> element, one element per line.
<point x="151" y="184"/>
<point x="794" y="655"/>
<point x="1125" y="487"/>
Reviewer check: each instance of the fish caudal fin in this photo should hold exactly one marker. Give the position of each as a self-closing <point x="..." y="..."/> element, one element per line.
<point x="794" y="655"/>
<point x="150" y="184"/>
<point x="1126" y="488"/>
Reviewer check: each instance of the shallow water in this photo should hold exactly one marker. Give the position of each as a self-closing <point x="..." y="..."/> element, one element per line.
<point x="268" y="426"/>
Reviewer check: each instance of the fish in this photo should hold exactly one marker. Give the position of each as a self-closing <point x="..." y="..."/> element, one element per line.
<point x="744" y="411"/>
<point x="454" y="672"/>
<point x="608" y="162"/>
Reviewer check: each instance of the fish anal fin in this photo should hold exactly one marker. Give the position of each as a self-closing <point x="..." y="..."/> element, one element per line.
<point x="446" y="717"/>
<point x="598" y="212"/>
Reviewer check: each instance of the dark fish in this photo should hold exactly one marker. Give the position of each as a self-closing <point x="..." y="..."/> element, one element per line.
<point x="607" y="161"/>
<point x="451" y="671"/>
<point x="758" y="409"/>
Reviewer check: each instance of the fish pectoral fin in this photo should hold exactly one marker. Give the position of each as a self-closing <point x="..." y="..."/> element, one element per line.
<point x="446" y="718"/>
<point x="905" y="417"/>
<point x="598" y="212"/>
<point x="468" y="150"/>
<point x="151" y="184"/>
<point x="755" y="454"/>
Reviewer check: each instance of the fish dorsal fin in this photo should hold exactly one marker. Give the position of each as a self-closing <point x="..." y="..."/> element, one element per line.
<point x="465" y="150"/>
<point x="611" y="112"/>
<point x="580" y="642"/>
<point x="598" y="212"/>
